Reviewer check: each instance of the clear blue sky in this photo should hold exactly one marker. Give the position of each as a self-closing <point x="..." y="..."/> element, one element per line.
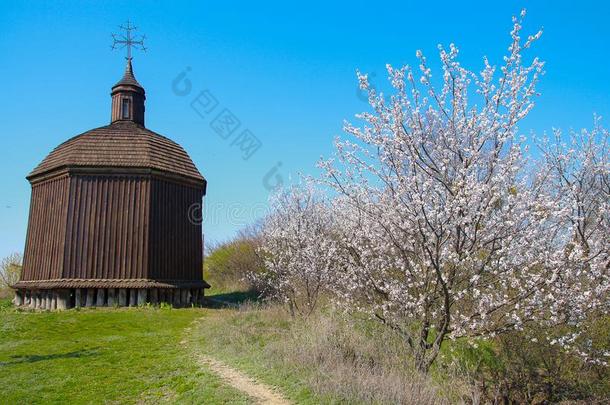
<point x="285" y="70"/>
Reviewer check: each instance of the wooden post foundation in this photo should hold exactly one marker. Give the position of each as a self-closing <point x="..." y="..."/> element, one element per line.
<point x="133" y="297"/>
<point x="90" y="300"/>
<point x="154" y="296"/>
<point x="184" y="297"/>
<point x="38" y="300"/>
<point x="111" y="297"/>
<point x="18" y="298"/>
<point x="142" y="296"/>
<point x="177" y="297"/>
<point x="32" y="298"/>
<point x="196" y="297"/>
<point x="78" y="298"/>
<point x="122" y="297"/>
<point x="43" y="299"/>
<point x="47" y="296"/>
<point x="101" y="297"/>
<point x="62" y="299"/>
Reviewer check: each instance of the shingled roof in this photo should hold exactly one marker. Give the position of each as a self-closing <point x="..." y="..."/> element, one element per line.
<point x="120" y="144"/>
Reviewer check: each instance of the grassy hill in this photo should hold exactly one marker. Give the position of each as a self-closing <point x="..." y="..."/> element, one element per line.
<point x="150" y="355"/>
<point x="103" y="356"/>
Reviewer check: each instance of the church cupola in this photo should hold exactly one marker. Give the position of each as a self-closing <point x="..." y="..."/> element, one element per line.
<point x="128" y="98"/>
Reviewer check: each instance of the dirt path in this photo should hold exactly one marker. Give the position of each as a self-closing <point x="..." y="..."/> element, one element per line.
<point x="262" y="393"/>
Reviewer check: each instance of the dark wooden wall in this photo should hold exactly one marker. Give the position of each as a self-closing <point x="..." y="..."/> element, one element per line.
<point x="43" y="258"/>
<point x="176" y="243"/>
<point x="112" y="227"/>
<point x="107" y="228"/>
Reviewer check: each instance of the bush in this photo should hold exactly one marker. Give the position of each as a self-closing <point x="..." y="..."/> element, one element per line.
<point x="527" y="367"/>
<point x="228" y="265"/>
<point x="10" y="272"/>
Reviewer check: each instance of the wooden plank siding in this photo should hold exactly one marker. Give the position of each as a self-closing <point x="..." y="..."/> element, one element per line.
<point x="43" y="258"/>
<point x="107" y="231"/>
<point x="96" y="227"/>
<point x="176" y="242"/>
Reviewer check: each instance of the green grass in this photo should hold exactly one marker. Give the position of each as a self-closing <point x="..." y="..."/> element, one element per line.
<point x="103" y="356"/>
<point x="147" y="355"/>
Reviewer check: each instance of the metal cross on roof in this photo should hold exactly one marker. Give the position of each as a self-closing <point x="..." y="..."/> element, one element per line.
<point x="126" y="40"/>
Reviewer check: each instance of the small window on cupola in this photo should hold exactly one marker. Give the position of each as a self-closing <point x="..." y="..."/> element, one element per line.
<point x="125" y="109"/>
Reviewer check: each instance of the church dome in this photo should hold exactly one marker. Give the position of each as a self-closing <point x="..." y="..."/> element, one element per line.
<point x="121" y="144"/>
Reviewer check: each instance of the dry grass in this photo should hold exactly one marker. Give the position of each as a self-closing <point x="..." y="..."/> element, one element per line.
<point x="327" y="358"/>
<point x="357" y="361"/>
<point x="6" y="293"/>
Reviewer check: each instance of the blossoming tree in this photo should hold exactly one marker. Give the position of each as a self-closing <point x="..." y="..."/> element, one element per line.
<point x="439" y="225"/>
<point x="298" y="249"/>
<point x="575" y="170"/>
<point x="443" y="235"/>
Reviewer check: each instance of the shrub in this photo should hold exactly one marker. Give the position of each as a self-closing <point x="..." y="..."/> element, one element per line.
<point x="10" y="272"/>
<point x="228" y="265"/>
<point x="531" y="367"/>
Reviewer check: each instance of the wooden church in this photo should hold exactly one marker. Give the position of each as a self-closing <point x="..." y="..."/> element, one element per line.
<point x="112" y="217"/>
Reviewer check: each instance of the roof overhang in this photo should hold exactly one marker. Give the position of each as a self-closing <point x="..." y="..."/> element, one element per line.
<point x="117" y="171"/>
